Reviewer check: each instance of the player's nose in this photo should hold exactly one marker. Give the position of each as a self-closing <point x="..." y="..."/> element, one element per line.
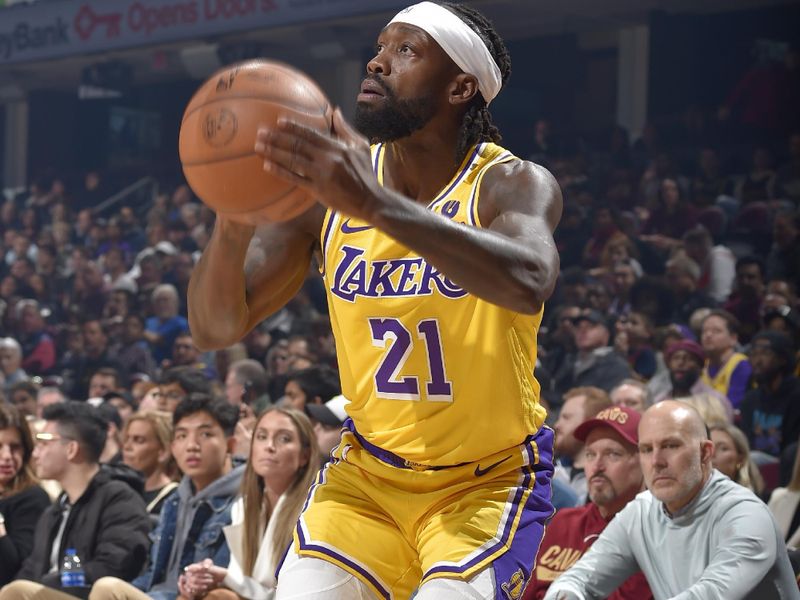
<point x="379" y="64"/>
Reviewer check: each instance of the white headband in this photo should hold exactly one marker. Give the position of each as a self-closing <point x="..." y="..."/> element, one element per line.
<point x="459" y="41"/>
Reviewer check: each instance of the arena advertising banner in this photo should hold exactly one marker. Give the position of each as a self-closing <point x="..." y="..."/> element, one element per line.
<point x="48" y="29"/>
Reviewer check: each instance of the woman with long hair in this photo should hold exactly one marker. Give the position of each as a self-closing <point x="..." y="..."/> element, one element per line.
<point x="146" y="442"/>
<point x="713" y="409"/>
<point x="283" y="462"/>
<point x="732" y="457"/>
<point x="22" y="501"/>
<point x="670" y="218"/>
<point x="785" y="506"/>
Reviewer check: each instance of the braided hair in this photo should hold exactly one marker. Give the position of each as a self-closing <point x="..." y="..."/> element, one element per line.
<point x="477" y="123"/>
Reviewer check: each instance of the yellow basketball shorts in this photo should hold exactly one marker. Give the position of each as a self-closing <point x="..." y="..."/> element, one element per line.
<point x="395" y="525"/>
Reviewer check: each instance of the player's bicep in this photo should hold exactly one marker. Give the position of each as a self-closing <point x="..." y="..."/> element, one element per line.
<point x="524" y="204"/>
<point x="520" y="198"/>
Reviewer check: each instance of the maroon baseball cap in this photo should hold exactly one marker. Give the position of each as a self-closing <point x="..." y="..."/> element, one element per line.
<point x="621" y="419"/>
<point x="689" y="346"/>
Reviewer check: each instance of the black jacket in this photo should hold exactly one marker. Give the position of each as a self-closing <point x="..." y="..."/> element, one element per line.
<point x="606" y="371"/>
<point x="770" y="419"/>
<point x="21" y="512"/>
<point x="108" y="527"/>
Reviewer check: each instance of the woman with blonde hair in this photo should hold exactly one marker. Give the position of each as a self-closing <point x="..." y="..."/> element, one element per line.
<point x="22" y="501"/>
<point x="711" y="408"/>
<point x="283" y="462"/>
<point x="785" y="506"/>
<point x="732" y="457"/>
<point x="146" y="441"/>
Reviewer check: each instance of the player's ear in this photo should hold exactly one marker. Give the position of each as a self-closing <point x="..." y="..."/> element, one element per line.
<point x="463" y="88"/>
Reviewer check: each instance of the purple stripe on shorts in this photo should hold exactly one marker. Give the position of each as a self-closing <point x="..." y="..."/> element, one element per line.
<point x="320" y="480"/>
<point x="513" y="568"/>
<point x="529" y="449"/>
<point x="512" y="515"/>
<point x="304" y="545"/>
<point x="283" y="559"/>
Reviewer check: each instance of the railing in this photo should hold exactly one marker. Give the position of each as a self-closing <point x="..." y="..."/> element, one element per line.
<point x="139" y="195"/>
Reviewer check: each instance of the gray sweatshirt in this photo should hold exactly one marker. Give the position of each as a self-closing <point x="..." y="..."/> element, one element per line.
<point x="723" y="545"/>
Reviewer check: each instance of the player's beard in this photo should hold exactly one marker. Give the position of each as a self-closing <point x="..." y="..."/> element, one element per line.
<point x="394" y="118"/>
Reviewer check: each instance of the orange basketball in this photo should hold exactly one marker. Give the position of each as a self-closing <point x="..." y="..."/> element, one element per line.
<point x="218" y="133"/>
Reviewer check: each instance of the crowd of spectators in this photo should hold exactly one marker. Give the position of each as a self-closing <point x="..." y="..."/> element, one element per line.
<point x="680" y="259"/>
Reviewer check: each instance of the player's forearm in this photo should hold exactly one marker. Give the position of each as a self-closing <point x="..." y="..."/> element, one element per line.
<point x="218" y="312"/>
<point x="483" y="262"/>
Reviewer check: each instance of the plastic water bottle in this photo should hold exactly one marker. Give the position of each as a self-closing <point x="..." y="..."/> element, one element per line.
<point x="72" y="570"/>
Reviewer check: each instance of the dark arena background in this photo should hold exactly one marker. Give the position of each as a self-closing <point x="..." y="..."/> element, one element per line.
<point x="671" y="126"/>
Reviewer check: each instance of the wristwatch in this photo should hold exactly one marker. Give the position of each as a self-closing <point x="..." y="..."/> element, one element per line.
<point x="2" y="519"/>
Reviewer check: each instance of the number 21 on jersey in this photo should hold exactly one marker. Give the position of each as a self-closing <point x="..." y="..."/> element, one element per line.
<point x="398" y="341"/>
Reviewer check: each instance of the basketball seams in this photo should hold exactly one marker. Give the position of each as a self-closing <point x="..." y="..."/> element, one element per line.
<point x="218" y="131"/>
<point x="267" y="100"/>
<point x="292" y="72"/>
<point x="217" y="160"/>
<point x="253" y="65"/>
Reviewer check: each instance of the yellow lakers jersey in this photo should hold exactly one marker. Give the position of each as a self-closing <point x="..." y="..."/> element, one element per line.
<point x="434" y="374"/>
<point x="721" y="382"/>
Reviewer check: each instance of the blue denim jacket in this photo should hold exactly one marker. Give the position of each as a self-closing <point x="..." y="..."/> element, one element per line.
<point x="208" y="541"/>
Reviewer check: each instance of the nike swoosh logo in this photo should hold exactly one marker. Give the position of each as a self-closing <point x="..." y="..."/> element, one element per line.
<point x="479" y="472"/>
<point x="346" y="228"/>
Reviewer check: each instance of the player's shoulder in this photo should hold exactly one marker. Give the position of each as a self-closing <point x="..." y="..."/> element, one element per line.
<point x="522" y="186"/>
<point x="518" y="171"/>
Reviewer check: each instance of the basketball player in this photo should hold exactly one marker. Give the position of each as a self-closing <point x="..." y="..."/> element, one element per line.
<point x="437" y="252"/>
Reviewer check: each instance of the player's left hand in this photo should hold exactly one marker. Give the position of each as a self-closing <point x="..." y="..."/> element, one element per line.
<point x="335" y="167"/>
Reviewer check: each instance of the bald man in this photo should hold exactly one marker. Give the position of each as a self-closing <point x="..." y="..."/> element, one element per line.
<point x="694" y="534"/>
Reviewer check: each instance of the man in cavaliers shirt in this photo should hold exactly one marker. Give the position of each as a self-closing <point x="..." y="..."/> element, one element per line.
<point x="614" y="478"/>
